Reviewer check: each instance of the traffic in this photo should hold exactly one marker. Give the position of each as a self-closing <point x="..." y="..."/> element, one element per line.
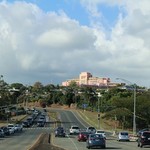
<point x="72" y="133"/>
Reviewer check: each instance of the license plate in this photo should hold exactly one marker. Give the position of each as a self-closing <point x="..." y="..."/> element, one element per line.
<point x="148" y="138"/>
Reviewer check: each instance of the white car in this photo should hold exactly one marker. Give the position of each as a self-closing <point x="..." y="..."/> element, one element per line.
<point x="102" y="132"/>
<point x="74" y="129"/>
<point x="11" y="128"/>
<point x="91" y="129"/>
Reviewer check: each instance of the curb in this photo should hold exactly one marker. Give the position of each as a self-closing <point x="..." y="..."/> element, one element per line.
<point x="36" y="142"/>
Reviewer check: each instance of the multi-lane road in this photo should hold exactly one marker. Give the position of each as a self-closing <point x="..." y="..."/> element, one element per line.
<point x="71" y="142"/>
<point x="23" y="141"/>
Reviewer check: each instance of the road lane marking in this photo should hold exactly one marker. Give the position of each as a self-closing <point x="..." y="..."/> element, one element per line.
<point x="72" y="142"/>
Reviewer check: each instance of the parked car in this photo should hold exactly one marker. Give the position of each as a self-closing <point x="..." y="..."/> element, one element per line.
<point x="143" y="138"/>
<point x="2" y="133"/>
<point x="102" y="132"/>
<point x="123" y="136"/>
<point x="95" y="141"/>
<point x="74" y="129"/>
<point x="5" y="130"/>
<point x="91" y="129"/>
<point x="60" y="132"/>
<point x="83" y="135"/>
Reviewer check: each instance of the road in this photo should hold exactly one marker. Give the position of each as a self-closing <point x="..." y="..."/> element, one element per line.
<point x="23" y="141"/>
<point x="70" y="141"/>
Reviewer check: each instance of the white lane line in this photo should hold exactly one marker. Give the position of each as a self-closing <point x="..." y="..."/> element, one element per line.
<point x="72" y="142"/>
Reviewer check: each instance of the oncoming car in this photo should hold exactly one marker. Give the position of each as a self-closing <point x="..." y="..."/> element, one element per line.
<point x="60" y="132"/>
<point x="74" y="129"/>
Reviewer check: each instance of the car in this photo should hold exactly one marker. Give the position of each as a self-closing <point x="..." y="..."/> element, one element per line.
<point x="95" y="141"/>
<point x="11" y="128"/>
<point x="40" y="123"/>
<point x="102" y="132"/>
<point x="5" y="130"/>
<point x="74" y="129"/>
<point x="25" y="124"/>
<point x="123" y="136"/>
<point x="30" y="120"/>
<point x="18" y="127"/>
<point x="60" y="132"/>
<point x="91" y="129"/>
<point x="83" y="135"/>
<point x="2" y="133"/>
<point x="143" y="138"/>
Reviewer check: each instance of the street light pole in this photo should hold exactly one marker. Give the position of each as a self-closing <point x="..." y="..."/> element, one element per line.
<point x="134" y="103"/>
<point x="98" y="115"/>
<point x="134" y="111"/>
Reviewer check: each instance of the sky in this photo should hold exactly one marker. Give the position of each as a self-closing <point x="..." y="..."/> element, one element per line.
<point x="51" y="41"/>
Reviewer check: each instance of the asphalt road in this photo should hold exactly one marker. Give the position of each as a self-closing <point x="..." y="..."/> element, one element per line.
<point x="70" y="141"/>
<point x="24" y="140"/>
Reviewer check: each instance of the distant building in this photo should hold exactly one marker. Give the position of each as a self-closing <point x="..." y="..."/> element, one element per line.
<point x="86" y="79"/>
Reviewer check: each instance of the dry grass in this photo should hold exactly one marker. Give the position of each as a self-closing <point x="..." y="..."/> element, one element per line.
<point x="92" y="119"/>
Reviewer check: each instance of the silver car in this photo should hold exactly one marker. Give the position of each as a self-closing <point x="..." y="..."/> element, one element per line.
<point x="123" y="136"/>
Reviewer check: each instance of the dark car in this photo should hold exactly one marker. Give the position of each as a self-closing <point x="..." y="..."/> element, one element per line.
<point x="25" y="124"/>
<point x="95" y="141"/>
<point x="60" y="132"/>
<point x="5" y="130"/>
<point x="40" y="123"/>
<point x="143" y="138"/>
<point x="83" y="135"/>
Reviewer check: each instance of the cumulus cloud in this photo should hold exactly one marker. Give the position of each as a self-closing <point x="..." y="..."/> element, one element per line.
<point x="44" y="46"/>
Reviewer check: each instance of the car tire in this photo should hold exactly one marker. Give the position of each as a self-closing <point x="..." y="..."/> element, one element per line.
<point x="141" y="145"/>
<point x="103" y="147"/>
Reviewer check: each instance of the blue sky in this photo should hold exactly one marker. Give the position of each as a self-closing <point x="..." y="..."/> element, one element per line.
<point x="56" y="40"/>
<point x="75" y="10"/>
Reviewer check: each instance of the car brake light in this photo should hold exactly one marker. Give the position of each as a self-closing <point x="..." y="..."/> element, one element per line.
<point x="142" y="137"/>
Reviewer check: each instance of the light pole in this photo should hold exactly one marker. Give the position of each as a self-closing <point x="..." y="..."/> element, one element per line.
<point x="134" y="102"/>
<point x="98" y="117"/>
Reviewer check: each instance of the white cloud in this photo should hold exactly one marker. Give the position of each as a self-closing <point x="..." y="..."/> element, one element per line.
<point x="35" y="45"/>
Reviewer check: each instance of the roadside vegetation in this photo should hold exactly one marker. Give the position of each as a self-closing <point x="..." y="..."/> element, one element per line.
<point x="115" y="104"/>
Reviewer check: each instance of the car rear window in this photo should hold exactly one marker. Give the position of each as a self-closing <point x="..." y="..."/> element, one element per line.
<point x="91" y="128"/>
<point x="100" y="132"/>
<point x="124" y="133"/>
<point x="146" y="134"/>
<point x="75" y="127"/>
